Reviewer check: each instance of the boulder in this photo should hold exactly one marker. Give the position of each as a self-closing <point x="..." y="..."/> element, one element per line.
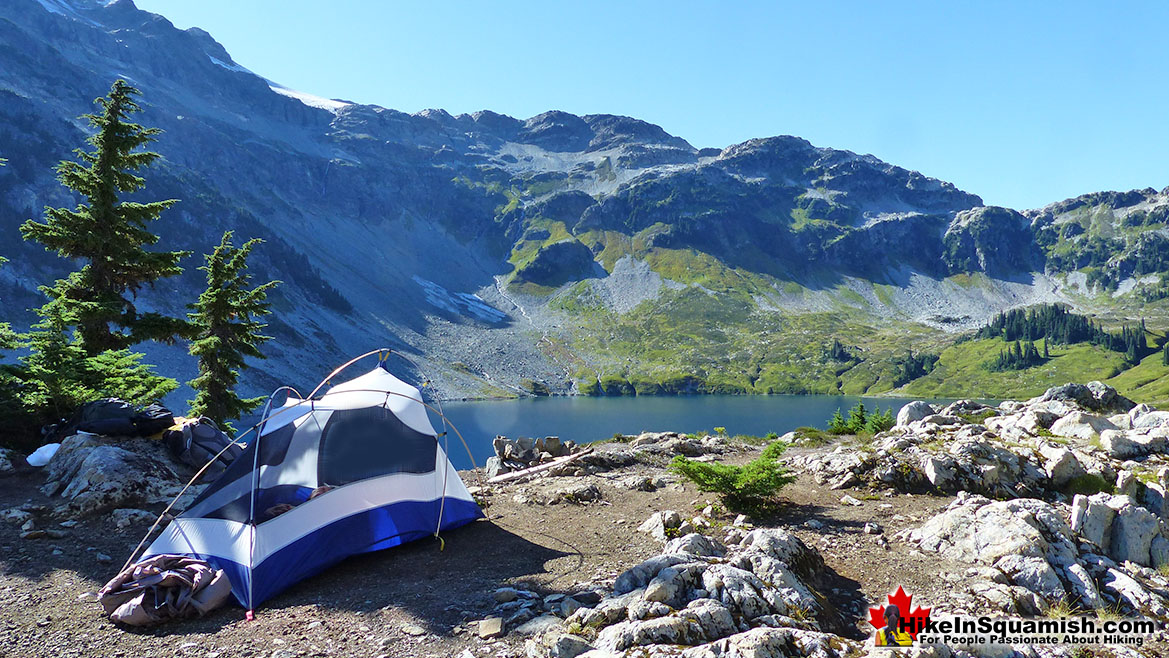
<point x="695" y="544"/>
<point x="1026" y="538"/>
<point x="126" y="517"/>
<point x="95" y="475"/>
<point x="671" y="585"/>
<point x="577" y="494"/>
<point x="1093" y="396"/>
<point x="939" y="471"/>
<point x="1060" y="464"/>
<point x="659" y="524"/>
<point x="742" y="591"/>
<point x="1092" y="519"/>
<point x="1080" y="425"/>
<point x="8" y="460"/>
<point x="640" y="575"/>
<point x="556" y="644"/>
<point x="1119" y="444"/>
<point x="1132" y="532"/>
<point x="1151" y="419"/>
<point x="913" y="411"/>
<point x="495" y="467"/>
<point x="1133" y="443"/>
<point x="767" y="642"/>
<point x="1034" y="420"/>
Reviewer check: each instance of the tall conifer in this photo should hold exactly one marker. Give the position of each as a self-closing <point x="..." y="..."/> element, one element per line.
<point x="227" y="326"/>
<point x="108" y="235"/>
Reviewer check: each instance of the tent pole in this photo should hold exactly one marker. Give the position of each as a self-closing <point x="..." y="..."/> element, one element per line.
<point x="252" y="513"/>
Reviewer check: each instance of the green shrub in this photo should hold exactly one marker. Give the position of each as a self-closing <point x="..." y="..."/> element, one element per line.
<point x="879" y="421"/>
<point x="1088" y="484"/>
<point x="742" y="488"/>
<point x="810" y="437"/>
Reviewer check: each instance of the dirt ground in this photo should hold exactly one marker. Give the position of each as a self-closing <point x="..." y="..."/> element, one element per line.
<point x="362" y="606"/>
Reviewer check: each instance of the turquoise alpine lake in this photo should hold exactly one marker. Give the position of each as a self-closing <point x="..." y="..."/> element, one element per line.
<point x="587" y="419"/>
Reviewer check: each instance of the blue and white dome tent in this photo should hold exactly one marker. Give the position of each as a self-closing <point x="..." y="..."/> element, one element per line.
<point x="356" y="470"/>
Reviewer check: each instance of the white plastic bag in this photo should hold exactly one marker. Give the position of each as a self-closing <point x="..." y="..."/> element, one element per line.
<point x="43" y="454"/>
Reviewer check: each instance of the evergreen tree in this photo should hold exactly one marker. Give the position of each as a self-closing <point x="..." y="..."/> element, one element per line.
<point x="110" y="236"/>
<point x="1165" y="355"/>
<point x="58" y="375"/>
<point x="227" y="329"/>
<point x="836" y="424"/>
<point x="7" y="337"/>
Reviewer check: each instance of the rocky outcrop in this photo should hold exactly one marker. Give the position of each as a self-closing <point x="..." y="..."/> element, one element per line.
<point x="524" y="452"/>
<point x="1072" y="436"/>
<point x="94" y="474"/>
<point x="755" y="595"/>
<point x="1100" y="560"/>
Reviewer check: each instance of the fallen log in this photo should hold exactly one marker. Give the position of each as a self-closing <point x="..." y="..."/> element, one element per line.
<point x="536" y="470"/>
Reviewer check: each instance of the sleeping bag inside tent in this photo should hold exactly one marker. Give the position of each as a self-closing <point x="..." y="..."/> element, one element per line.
<point x="357" y="470"/>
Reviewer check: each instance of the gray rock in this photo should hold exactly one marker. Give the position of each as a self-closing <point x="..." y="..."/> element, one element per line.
<point x="1092" y="519"/>
<point x="671" y="584"/>
<point x="1150" y="419"/>
<point x="539" y="625"/>
<point x="659" y="522"/>
<point x="1080" y="425"/>
<point x="973" y="529"/>
<point x="126" y="517"/>
<point x="712" y="617"/>
<point x="1060" y="464"/>
<point x="640" y="575"/>
<point x="495" y="467"/>
<point x="1159" y="552"/>
<point x="15" y="516"/>
<point x="939" y="472"/>
<point x="695" y="544"/>
<point x="913" y="411"/>
<point x="638" y="483"/>
<point x="1132" y="532"/>
<point x="642" y="609"/>
<point x="491" y="628"/>
<point x="556" y="645"/>
<point x="8" y="460"/>
<point x="577" y="494"/>
<point x="1033" y="573"/>
<point x="95" y="475"/>
<point x="610" y="610"/>
<point x="742" y="591"/>
<point x="663" y="630"/>
<point x="1034" y="420"/>
<point x="1093" y="396"/>
<point x="1083" y="586"/>
<point x="1127" y="484"/>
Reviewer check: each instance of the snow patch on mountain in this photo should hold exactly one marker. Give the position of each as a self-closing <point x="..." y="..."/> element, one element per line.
<point x="329" y="104"/>
<point x="459" y="303"/>
<point x="229" y="67"/>
<point x="63" y="8"/>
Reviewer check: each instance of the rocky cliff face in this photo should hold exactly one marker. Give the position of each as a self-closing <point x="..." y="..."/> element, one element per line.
<point x="456" y="238"/>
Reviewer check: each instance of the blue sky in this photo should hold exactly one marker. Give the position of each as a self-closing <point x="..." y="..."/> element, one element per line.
<point x="1023" y="103"/>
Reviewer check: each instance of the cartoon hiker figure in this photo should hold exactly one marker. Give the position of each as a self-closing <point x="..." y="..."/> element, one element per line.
<point x="892" y="635"/>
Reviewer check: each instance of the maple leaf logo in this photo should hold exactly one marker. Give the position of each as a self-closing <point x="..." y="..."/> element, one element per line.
<point x="910" y="622"/>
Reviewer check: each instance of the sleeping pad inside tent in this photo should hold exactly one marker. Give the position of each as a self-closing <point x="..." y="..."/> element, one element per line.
<point x="357" y="470"/>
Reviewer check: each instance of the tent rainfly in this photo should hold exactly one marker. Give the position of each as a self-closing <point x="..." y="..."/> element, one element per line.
<point x="357" y="470"/>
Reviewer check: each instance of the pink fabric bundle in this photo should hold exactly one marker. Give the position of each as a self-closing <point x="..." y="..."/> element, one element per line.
<point x="164" y="587"/>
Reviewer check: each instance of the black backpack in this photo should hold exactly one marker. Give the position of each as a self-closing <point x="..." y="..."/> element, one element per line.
<point x="197" y="442"/>
<point x="152" y="420"/>
<point x="109" y="416"/>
